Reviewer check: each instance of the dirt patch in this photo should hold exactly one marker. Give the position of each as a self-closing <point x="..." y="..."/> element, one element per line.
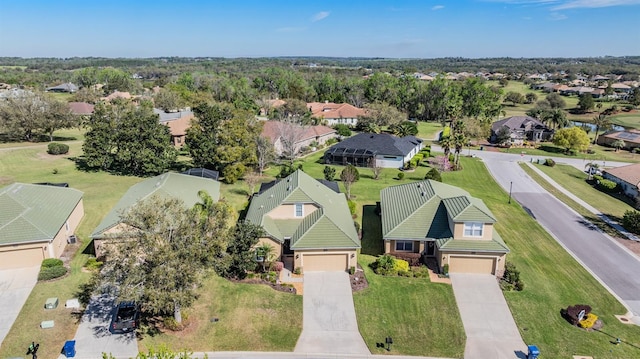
<point x="358" y="280"/>
<point x="6" y="180"/>
<point x="633" y="246"/>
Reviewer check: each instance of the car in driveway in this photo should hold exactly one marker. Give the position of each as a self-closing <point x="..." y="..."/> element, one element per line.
<point x="126" y="317"/>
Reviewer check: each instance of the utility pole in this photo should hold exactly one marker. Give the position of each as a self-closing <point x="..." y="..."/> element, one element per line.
<point x="510" y="188"/>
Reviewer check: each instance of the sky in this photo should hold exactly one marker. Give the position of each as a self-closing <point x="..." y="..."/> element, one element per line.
<point x="345" y="28"/>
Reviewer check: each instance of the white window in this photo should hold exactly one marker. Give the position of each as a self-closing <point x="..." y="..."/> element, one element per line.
<point x="404" y="246"/>
<point x="299" y="210"/>
<point x="473" y="229"/>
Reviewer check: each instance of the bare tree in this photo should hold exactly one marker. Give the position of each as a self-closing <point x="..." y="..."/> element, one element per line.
<point x="290" y="132"/>
<point x="349" y="175"/>
<point x="377" y="170"/>
<point x="251" y="179"/>
<point x="264" y="152"/>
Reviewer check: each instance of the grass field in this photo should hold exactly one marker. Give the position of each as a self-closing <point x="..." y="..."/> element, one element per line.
<point x="601" y="154"/>
<point x="631" y="120"/>
<point x="553" y="280"/>
<point x="574" y="180"/>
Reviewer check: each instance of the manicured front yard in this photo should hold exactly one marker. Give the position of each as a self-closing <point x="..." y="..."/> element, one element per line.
<point x="553" y="280"/>
<point x="251" y="317"/>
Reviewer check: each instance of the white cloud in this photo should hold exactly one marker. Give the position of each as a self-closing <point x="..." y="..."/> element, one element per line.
<point x="437" y="7"/>
<point x="555" y="16"/>
<point x="320" y="16"/>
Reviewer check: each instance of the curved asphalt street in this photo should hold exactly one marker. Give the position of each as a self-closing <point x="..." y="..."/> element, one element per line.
<point x="612" y="264"/>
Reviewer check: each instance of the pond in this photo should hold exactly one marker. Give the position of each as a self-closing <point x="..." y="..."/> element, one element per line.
<point x="593" y="127"/>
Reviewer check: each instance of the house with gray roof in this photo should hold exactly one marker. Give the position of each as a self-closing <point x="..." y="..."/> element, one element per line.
<point x="36" y="222"/>
<point x="168" y="185"/>
<point x="520" y="129"/>
<point x="66" y="87"/>
<point x="388" y="151"/>
<point x="308" y="224"/>
<point x="442" y="222"/>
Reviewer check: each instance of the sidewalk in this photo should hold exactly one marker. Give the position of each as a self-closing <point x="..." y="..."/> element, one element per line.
<point x="590" y="208"/>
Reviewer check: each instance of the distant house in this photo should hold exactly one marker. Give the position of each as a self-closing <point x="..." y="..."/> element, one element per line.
<point x="386" y="150"/>
<point x="168" y="185"/>
<point x="178" y="123"/>
<point x="308" y="224"/>
<point x="628" y="177"/>
<point x="521" y="128"/>
<point x="81" y="108"/>
<point x="66" y="87"/>
<point x="621" y="88"/>
<point x="441" y="222"/>
<point x="117" y="94"/>
<point x="301" y="136"/>
<point x="36" y="222"/>
<point x="631" y="138"/>
<point x="335" y="113"/>
<point x="546" y="87"/>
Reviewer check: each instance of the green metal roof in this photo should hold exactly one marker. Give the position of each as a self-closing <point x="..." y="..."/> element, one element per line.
<point x="496" y="244"/>
<point x="330" y="226"/>
<point x="422" y="210"/>
<point x="168" y="185"/>
<point x="31" y="213"/>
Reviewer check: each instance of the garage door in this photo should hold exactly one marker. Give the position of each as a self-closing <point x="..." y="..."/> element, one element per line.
<point x="471" y="265"/>
<point x="21" y="258"/>
<point x="324" y="262"/>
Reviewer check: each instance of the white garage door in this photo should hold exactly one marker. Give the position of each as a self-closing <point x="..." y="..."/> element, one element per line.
<point x="21" y="258"/>
<point x="471" y="265"/>
<point x="324" y="262"/>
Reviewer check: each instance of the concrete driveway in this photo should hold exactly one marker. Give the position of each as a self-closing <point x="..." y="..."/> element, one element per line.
<point x="93" y="337"/>
<point x="15" y="287"/>
<point x="487" y="320"/>
<point x="329" y="318"/>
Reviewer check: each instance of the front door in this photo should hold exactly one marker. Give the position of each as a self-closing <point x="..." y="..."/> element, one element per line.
<point x="431" y="249"/>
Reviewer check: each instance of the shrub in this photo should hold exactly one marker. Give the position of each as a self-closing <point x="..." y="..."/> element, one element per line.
<point x="433" y="174"/>
<point x="598" y="177"/>
<point x="342" y="130"/>
<point x="418" y="157"/>
<point x="636" y="150"/>
<point x="607" y="186"/>
<point x="51" y="262"/>
<point x="420" y="271"/>
<point x="413" y="163"/>
<point x="55" y="148"/>
<point x="445" y="269"/>
<point x="171" y="324"/>
<point x="412" y="258"/>
<point x="405" y="273"/>
<point x="400" y="265"/>
<point x="631" y="221"/>
<point x="357" y="225"/>
<point x="352" y="206"/>
<point x="232" y="172"/>
<point x="93" y="264"/>
<point x="384" y="265"/>
<point x="401" y="175"/>
<point x="278" y="266"/>
<point x="352" y="270"/>
<point x="47" y="273"/>
<point x="512" y="276"/>
<point x="549" y="162"/>
<point x="297" y="270"/>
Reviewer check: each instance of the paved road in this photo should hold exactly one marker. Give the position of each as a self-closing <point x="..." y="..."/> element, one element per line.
<point x="15" y="287"/>
<point x="93" y="337"/>
<point x="329" y="318"/>
<point x="607" y="260"/>
<point x="487" y="320"/>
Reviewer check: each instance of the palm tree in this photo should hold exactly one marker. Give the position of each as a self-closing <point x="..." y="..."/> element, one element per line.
<point x="446" y="143"/>
<point x="592" y="167"/>
<point x="265" y="255"/>
<point x="459" y="140"/>
<point x="601" y="122"/>
<point x="558" y="118"/>
<point x="618" y="144"/>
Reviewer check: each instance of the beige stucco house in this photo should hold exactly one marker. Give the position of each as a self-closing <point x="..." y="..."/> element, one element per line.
<point x="168" y="185"/>
<point x="308" y="224"/>
<point x="442" y="222"/>
<point x="36" y="222"/>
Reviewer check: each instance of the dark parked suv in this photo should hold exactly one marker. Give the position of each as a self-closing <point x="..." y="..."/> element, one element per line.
<point x="126" y="318"/>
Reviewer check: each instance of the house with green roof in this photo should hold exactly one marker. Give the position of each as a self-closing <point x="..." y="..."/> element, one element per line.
<point x="442" y="222"/>
<point x="308" y="224"/>
<point x="36" y="222"/>
<point x="167" y="185"/>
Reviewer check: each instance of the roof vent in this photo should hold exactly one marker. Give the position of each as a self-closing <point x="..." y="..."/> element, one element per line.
<point x="419" y="184"/>
<point x="289" y="188"/>
<point x="261" y="206"/>
<point x="271" y="196"/>
<point x="423" y="194"/>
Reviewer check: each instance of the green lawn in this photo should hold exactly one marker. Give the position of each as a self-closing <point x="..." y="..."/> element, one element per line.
<point x="631" y="120"/>
<point x="574" y="180"/>
<point x="602" y="153"/>
<point x="553" y="280"/>
<point x="428" y="130"/>
<point x="252" y="317"/>
<point x="420" y="316"/>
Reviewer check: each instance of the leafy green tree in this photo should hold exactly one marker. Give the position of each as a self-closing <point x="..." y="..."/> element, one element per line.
<point x="367" y="125"/>
<point x="115" y="79"/>
<point x="503" y="136"/>
<point x="224" y="139"/>
<point x="383" y="114"/>
<point x="504" y="82"/>
<point x="601" y="122"/>
<point x="634" y="98"/>
<point x="167" y="100"/>
<point x="161" y="255"/>
<point x="29" y="114"/>
<point x="514" y="97"/>
<point x="128" y="140"/>
<point x="348" y="176"/>
<point x="240" y="254"/>
<point x="342" y="130"/>
<point x="433" y="174"/>
<point x="329" y="173"/>
<point x="571" y="138"/>
<point x="531" y="97"/>
<point x="586" y="103"/>
<point x="555" y="101"/>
